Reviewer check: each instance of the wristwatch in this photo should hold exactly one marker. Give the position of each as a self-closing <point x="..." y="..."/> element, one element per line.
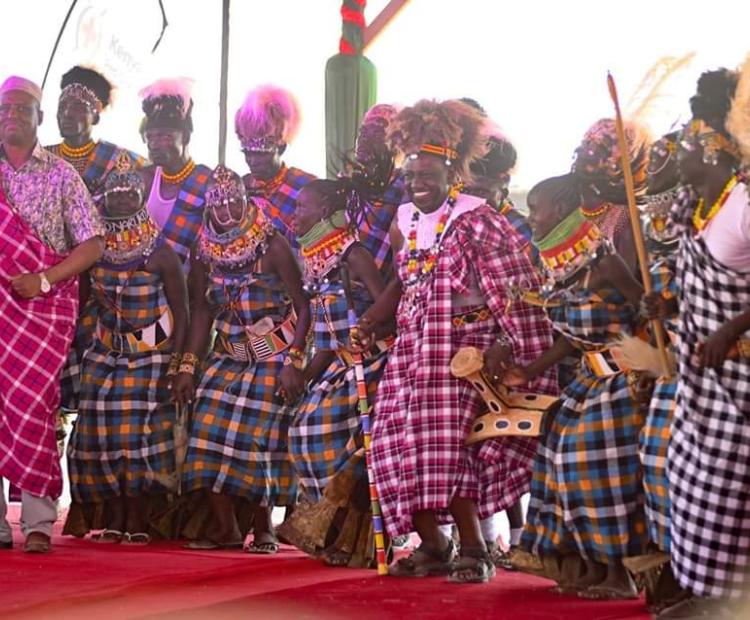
<point x="44" y="282"/>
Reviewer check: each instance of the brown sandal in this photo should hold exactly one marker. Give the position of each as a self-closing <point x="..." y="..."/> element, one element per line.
<point x="424" y="562"/>
<point x="474" y="566"/>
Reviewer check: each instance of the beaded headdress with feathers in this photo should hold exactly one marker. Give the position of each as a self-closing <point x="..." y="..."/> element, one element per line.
<point x="269" y="113"/>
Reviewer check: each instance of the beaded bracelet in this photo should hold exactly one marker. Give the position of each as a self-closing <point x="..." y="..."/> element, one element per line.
<point x="174" y="364"/>
<point x="190" y="358"/>
<point x="504" y="341"/>
<point x="293" y="361"/>
<point x="188" y="368"/>
<point x="296" y="353"/>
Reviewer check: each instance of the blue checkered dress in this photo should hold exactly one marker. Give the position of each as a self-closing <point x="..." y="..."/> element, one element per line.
<point x="326" y="430"/>
<point x="238" y="437"/>
<point x="374" y="230"/>
<point x="587" y="490"/>
<point x="282" y="196"/>
<point x="100" y="163"/>
<point x="654" y="440"/>
<point x="122" y="442"/>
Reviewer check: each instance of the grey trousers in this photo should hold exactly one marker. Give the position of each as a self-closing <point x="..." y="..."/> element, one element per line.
<point x="38" y="514"/>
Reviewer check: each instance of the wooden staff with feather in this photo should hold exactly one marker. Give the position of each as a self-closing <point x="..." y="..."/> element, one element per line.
<point x="635" y="220"/>
<point x="364" y="415"/>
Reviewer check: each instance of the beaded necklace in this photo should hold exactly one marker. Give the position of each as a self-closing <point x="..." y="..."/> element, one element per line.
<point x="77" y="157"/>
<point x="699" y="220"/>
<point x="420" y="263"/>
<point x="129" y="239"/>
<point x="266" y="188"/>
<point x="570" y="246"/>
<point x="322" y="247"/>
<point x="181" y="175"/>
<point x="238" y="247"/>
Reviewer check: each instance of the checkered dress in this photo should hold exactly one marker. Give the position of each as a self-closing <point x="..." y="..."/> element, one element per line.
<point x="654" y="440"/>
<point x="326" y="431"/>
<point x="282" y="199"/>
<point x="122" y="443"/>
<point x="709" y="454"/>
<point x="587" y="492"/>
<point x="422" y="413"/>
<point x="238" y="437"/>
<point x="186" y="217"/>
<point x="374" y="231"/>
<point x="36" y="335"/>
<point x="101" y="161"/>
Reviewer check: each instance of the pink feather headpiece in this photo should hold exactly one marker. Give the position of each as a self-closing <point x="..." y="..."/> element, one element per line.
<point x="181" y="87"/>
<point x="269" y="112"/>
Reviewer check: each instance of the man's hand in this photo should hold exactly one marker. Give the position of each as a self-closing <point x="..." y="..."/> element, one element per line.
<point x="654" y="306"/>
<point x="292" y="384"/>
<point x="27" y="285"/>
<point x="496" y="360"/>
<point x="713" y="352"/>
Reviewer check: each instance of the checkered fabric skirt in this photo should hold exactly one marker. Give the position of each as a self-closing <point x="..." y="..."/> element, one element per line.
<point x="654" y="443"/>
<point x="420" y="464"/>
<point x="70" y="379"/>
<point x="122" y="441"/>
<point x="326" y="431"/>
<point x="239" y="433"/>
<point x="709" y="452"/>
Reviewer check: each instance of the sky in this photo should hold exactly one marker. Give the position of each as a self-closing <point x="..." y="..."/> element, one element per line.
<point x="538" y="66"/>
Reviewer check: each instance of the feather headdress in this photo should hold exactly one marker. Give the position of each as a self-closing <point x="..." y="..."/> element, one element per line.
<point x="452" y="125"/>
<point x="738" y="121"/>
<point x="268" y="112"/>
<point x="167" y="104"/>
<point x="88" y="85"/>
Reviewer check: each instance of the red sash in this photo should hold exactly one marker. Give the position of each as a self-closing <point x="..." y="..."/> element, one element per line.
<point x="36" y="335"/>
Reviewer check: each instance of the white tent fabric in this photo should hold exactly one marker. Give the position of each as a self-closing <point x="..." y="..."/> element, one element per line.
<point x="538" y="66"/>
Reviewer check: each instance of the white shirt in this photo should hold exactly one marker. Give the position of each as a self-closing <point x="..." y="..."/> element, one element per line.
<point x="427" y="224"/>
<point x="727" y="235"/>
<point x="159" y="208"/>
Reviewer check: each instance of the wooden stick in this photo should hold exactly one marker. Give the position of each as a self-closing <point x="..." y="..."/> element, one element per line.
<point x="379" y="24"/>
<point x="364" y="416"/>
<point x="635" y="221"/>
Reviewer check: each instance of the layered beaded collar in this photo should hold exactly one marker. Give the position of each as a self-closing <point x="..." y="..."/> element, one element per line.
<point x="238" y="247"/>
<point x="571" y="246"/>
<point x="129" y="239"/>
<point x="322" y="248"/>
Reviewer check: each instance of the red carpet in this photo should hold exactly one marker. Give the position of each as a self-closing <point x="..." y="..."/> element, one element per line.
<point x="83" y="580"/>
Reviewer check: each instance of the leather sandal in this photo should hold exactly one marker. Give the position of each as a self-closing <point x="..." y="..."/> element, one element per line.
<point x="474" y="566"/>
<point x="424" y="562"/>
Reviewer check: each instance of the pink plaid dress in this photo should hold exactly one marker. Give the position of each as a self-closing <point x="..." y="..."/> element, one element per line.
<point x="422" y="413"/>
<point x="36" y="335"/>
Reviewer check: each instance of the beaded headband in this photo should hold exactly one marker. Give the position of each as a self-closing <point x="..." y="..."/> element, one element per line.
<point x="665" y="148"/>
<point x="123" y="177"/>
<point x="711" y="141"/>
<point x="266" y="144"/>
<point x="224" y="187"/>
<point x="79" y="92"/>
<point x="447" y="152"/>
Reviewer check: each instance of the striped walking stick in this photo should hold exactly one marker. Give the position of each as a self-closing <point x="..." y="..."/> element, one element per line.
<point x="364" y="416"/>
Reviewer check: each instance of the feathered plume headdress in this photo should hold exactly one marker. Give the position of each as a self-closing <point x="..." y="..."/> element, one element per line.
<point x="168" y="104"/>
<point x="451" y="129"/>
<point x="269" y="116"/>
<point x="738" y="121"/>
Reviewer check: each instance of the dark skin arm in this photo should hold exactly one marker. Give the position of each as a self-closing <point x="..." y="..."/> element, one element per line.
<point x="167" y="264"/>
<point x="713" y="352"/>
<point x="381" y="315"/>
<point x="201" y="320"/>
<point x="362" y="269"/>
<point x="610" y="270"/>
<point x="82" y="256"/>
<point x="279" y="259"/>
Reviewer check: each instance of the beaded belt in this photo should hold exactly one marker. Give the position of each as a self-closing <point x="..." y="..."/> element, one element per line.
<point x="261" y="347"/>
<point x="471" y="316"/>
<point x="154" y="337"/>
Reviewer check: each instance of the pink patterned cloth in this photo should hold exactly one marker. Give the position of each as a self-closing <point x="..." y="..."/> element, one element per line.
<point x="422" y="413"/>
<point x="36" y="335"/>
